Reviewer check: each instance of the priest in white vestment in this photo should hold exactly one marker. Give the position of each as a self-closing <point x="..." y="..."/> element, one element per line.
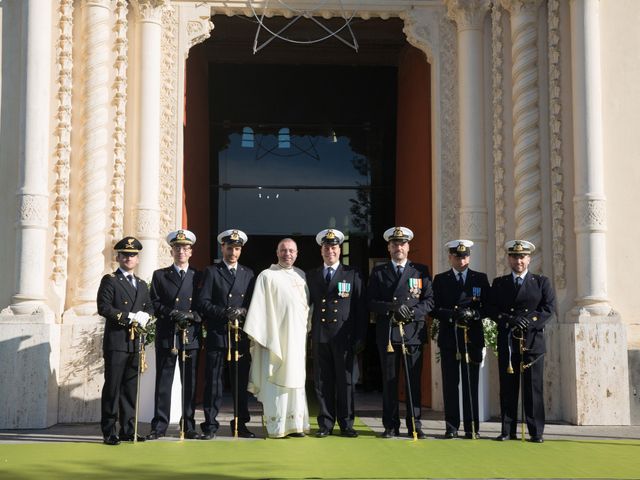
<point x="277" y="322"/>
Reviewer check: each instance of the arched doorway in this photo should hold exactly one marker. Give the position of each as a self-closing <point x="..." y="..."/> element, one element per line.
<point x="298" y="138"/>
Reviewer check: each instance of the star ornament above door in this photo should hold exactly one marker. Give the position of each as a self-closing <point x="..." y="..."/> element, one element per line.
<point x="344" y="33"/>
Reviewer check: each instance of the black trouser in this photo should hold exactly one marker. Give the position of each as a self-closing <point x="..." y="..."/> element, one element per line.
<point x="165" y="368"/>
<point x="390" y="365"/>
<point x="451" y="367"/>
<point x="509" y="391"/>
<point x="333" y="377"/>
<point x="214" y="386"/>
<point x="119" y="392"/>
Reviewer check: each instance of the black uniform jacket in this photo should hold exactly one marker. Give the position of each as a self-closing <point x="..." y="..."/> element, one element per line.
<point x="170" y="292"/>
<point x="116" y="298"/>
<point x="448" y="296"/>
<point x="535" y="300"/>
<point x="342" y="317"/>
<point x="385" y="290"/>
<point x="220" y="290"/>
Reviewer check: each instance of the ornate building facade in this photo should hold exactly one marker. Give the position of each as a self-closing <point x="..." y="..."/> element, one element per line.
<point x="533" y="112"/>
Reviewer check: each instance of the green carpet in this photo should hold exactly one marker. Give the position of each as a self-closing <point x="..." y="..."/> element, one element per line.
<point x="332" y="457"/>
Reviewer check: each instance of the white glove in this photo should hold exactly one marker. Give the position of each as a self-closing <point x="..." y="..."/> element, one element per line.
<point x="131" y="317"/>
<point x="142" y="318"/>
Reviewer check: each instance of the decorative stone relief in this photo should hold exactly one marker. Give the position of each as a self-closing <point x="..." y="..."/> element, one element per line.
<point x="555" y="144"/>
<point x="473" y="225"/>
<point x="497" y="96"/>
<point x="62" y="153"/>
<point x="590" y="214"/>
<point x="147" y="222"/>
<point x="198" y="31"/>
<point x="467" y="13"/>
<point x="32" y="210"/>
<point x="168" y="131"/>
<point x="449" y="134"/>
<point x="120" y="120"/>
<point x="526" y="123"/>
<point x="419" y="29"/>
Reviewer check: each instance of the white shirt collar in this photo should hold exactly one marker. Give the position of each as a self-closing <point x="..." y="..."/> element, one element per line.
<point x="334" y="266"/>
<point x="127" y="273"/>
<point x="463" y="272"/>
<point x="395" y="265"/>
<point x="177" y="268"/>
<point x="514" y="275"/>
<point x="229" y="266"/>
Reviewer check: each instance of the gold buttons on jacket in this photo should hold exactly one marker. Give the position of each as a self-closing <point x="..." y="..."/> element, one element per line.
<point x="177" y="300"/>
<point x="125" y="302"/>
<point x="323" y="300"/>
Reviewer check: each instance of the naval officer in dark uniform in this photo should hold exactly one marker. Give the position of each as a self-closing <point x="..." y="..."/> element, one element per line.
<point x="521" y="303"/>
<point x="123" y="300"/>
<point x="178" y="330"/>
<point x="400" y="292"/>
<point x="460" y="295"/>
<point x="338" y="330"/>
<point x="223" y="301"/>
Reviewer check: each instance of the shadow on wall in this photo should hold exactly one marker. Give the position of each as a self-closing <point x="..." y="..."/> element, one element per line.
<point x="81" y="371"/>
<point x="26" y="377"/>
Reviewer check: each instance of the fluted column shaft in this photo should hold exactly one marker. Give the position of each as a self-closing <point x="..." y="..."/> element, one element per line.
<point x="95" y="153"/>
<point x="149" y="20"/>
<point x="589" y="199"/>
<point x="469" y="17"/>
<point x="32" y="194"/>
<point x="526" y="123"/>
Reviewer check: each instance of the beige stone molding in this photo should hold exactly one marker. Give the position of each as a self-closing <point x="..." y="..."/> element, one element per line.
<point x="97" y="129"/>
<point x="497" y="103"/>
<point x="198" y="30"/>
<point x="526" y="123"/>
<point x="62" y="152"/>
<point x="421" y="30"/>
<point x="555" y="144"/>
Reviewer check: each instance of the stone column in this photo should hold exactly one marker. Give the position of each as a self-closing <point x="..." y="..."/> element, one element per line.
<point x="29" y="336"/>
<point x="594" y="358"/>
<point x="469" y="17"/>
<point x="526" y="122"/>
<point x="95" y="153"/>
<point x="147" y="131"/>
<point x="33" y="197"/>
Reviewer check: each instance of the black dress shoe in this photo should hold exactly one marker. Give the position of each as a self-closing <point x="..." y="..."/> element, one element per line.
<point x="153" y="435"/>
<point x="208" y="435"/>
<point x="469" y="435"/>
<point x="389" y="433"/>
<point x="112" y="440"/>
<point x="192" y="435"/>
<point x="244" y="432"/>
<point x="296" y="435"/>
<point x="505" y="436"/>
<point x="348" y="432"/>
<point x="537" y="439"/>
<point x="450" y="434"/>
<point x="129" y="438"/>
<point x="323" y="432"/>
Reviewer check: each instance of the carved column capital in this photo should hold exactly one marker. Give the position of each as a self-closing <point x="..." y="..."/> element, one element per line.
<point x="521" y="6"/>
<point x="198" y="30"/>
<point x="150" y="10"/>
<point x="468" y="14"/>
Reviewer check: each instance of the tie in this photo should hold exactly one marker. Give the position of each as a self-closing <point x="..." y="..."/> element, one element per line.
<point x="181" y="273"/>
<point x="130" y="278"/>
<point x="518" y="283"/>
<point x="327" y="277"/>
<point x="399" y="270"/>
<point x="460" y="281"/>
<point x="233" y="272"/>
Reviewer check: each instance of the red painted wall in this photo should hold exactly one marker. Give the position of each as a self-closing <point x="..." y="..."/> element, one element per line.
<point x="413" y="168"/>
